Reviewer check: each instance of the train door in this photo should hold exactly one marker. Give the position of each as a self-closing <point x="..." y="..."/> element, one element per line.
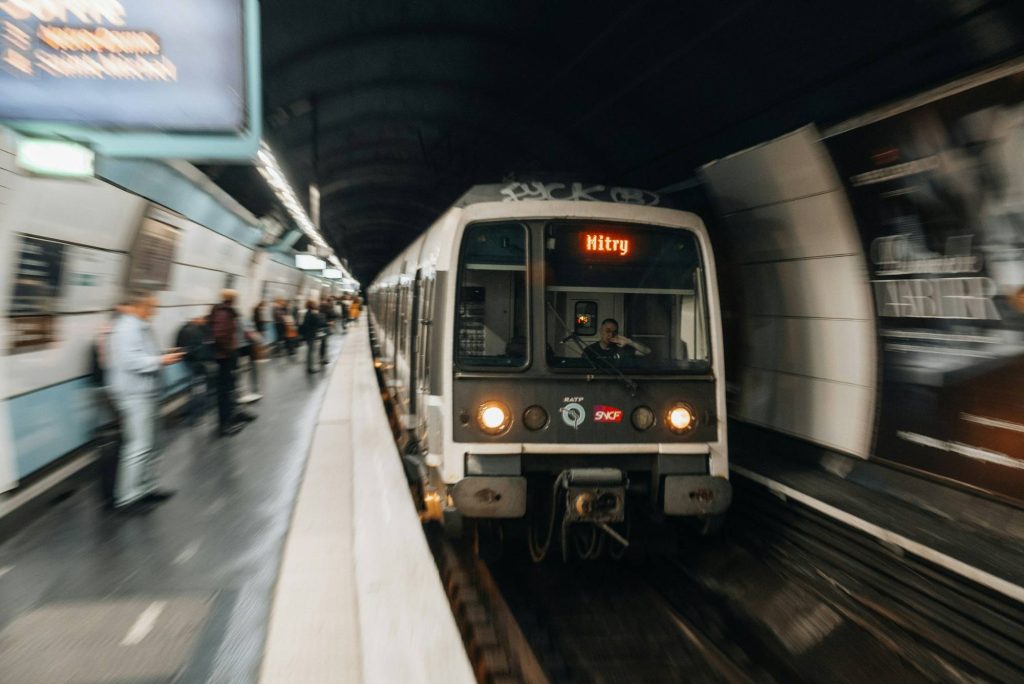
<point x="419" y="372"/>
<point x="414" y="348"/>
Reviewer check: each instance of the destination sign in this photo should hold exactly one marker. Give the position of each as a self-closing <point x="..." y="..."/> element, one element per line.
<point x="599" y="243"/>
<point x="127" y="64"/>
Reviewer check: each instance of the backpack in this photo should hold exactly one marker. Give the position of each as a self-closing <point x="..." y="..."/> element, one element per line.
<point x="97" y="374"/>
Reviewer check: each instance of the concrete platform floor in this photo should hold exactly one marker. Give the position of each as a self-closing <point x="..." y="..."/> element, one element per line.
<point x="183" y="593"/>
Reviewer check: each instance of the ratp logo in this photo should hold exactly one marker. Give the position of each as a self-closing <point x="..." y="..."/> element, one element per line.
<point x="573" y="415"/>
<point x="607" y="414"/>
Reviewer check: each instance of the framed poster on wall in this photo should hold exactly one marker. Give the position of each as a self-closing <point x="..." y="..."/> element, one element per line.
<point x="35" y="298"/>
<point x="152" y="255"/>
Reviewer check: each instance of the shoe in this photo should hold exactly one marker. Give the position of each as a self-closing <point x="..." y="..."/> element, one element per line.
<point x="245" y="417"/>
<point x="232" y="429"/>
<point x="159" y="495"/>
<point x="137" y="507"/>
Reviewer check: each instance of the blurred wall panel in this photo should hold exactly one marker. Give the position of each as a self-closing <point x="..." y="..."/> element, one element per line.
<point x="69" y="250"/>
<point x="936" y="184"/>
<point x="8" y="188"/>
<point x="282" y="281"/>
<point x="807" y="319"/>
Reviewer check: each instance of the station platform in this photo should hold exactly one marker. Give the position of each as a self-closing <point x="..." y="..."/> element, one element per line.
<point x="970" y="535"/>
<point x="291" y="553"/>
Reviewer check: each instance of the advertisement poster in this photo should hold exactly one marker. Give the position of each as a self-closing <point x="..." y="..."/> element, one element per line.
<point x="937" y="190"/>
<point x="152" y="256"/>
<point x="36" y="295"/>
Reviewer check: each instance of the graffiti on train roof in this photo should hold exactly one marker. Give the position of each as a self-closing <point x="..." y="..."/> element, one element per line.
<point x="522" y="191"/>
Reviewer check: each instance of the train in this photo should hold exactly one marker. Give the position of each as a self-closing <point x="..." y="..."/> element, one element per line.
<point x="554" y="356"/>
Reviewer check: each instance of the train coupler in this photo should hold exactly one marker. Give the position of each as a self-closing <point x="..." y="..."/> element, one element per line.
<point x="596" y="495"/>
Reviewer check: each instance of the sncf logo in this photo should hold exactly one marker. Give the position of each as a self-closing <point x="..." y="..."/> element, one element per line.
<point x="607" y="414"/>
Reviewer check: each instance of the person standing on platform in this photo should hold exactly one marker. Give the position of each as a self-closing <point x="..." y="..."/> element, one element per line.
<point x="224" y="323"/>
<point x="328" y="319"/>
<point x="259" y="318"/>
<point x="310" y="330"/>
<point x="284" y="326"/>
<point x="193" y="340"/>
<point x="133" y="362"/>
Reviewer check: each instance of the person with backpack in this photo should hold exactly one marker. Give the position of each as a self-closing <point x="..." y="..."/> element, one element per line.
<point x="224" y="327"/>
<point x="195" y="342"/>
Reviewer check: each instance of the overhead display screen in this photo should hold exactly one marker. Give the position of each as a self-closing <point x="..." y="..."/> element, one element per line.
<point x="124" y="64"/>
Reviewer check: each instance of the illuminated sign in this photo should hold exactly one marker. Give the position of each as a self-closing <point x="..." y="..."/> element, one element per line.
<point x="55" y="158"/>
<point x="332" y="273"/>
<point x="599" y="243"/>
<point x="308" y="262"/>
<point x="130" y="64"/>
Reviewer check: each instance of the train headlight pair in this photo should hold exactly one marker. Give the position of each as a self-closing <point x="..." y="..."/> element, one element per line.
<point x="494" y="418"/>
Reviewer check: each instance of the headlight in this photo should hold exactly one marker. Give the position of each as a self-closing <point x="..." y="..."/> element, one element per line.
<point x="680" y="418"/>
<point x="642" y="418"/>
<point x="493" y="417"/>
<point x="535" y="417"/>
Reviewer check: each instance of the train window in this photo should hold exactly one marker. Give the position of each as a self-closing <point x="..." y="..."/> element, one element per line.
<point x="642" y="286"/>
<point x="491" y="328"/>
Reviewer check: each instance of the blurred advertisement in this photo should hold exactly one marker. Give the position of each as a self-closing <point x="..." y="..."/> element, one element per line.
<point x="124" y="64"/>
<point x="152" y="256"/>
<point x="938" y="193"/>
<point x="36" y="296"/>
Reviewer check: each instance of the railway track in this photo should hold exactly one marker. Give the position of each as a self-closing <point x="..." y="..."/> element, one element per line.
<point x="949" y="628"/>
<point x="786" y="595"/>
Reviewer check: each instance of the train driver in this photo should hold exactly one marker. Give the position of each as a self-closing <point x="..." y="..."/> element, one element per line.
<point x="612" y="346"/>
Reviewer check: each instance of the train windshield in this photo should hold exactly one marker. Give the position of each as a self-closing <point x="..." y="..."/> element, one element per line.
<point x="624" y="297"/>
<point x="491" y="328"/>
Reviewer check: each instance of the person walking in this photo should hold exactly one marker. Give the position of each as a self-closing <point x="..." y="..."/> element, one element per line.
<point x="310" y="330"/>
<point x="224" y="325"/>
<point x="133" y="362"/>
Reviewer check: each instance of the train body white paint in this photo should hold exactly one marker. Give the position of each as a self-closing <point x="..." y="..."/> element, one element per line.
<point x="494" y="315"/>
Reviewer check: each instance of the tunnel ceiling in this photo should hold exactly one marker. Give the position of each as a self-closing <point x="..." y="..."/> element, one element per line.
<point x="394" y="108"/>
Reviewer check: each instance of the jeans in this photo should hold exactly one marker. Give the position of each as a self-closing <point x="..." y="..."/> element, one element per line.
<point x="197" y="391"/>
<point x="311" y="354"/>
<point x="226" y="391"/>
<point x="323" y="348"/>
<point x="136" y="469"/>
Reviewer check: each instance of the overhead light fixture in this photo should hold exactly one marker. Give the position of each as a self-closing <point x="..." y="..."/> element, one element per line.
<point x="309" y="262"/>
<point x="271" y="171"/>
<point x="55" y="158"/>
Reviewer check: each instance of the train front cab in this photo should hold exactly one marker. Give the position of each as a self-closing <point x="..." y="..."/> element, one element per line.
<point x="539" y="410"/>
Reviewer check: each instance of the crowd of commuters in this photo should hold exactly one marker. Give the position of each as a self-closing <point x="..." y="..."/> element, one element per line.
<point x="127" y="361"/>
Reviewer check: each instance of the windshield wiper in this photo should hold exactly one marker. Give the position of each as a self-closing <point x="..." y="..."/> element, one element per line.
<point x="631" y="385"/>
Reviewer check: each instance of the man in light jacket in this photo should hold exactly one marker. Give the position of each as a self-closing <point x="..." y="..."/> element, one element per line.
<point x="133" y="378"/>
